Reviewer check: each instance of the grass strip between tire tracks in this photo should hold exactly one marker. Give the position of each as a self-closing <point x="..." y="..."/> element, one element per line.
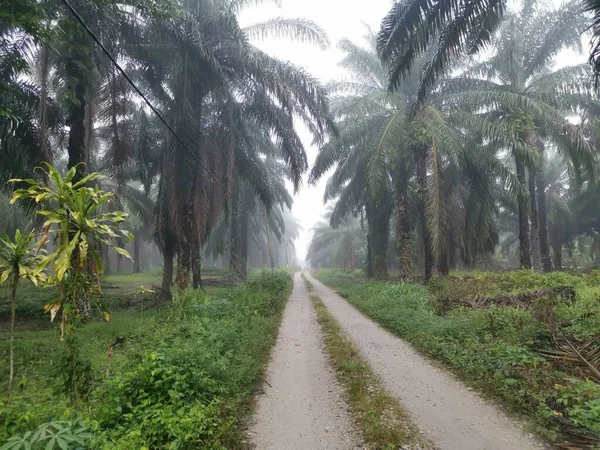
<point x="383" y="422"/>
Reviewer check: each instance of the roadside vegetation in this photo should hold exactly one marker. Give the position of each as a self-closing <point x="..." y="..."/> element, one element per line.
<point x="382" y="421"/>
<point x="511" y="352"/>
<point x="162" y="130"/>
<point x="179" y="375"/>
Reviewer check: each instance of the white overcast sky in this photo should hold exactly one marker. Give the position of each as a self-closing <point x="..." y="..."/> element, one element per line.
<point x="339" y="19"/>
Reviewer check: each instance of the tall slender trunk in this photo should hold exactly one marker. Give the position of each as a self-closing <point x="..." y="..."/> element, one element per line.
<point x="76" y="118"/>
<point x="543" y="216"/>
<point x="168" y="257"/>
<point x="234" y="244"/>
<point x="13" y="301"/>
<point x="443" y="267"/>
<point x="136" y="253"/>
<point x="196" y="259"/>
<point x="535" y="228"/>
<point x="106" y="260"/>
<point x="557" y="250"/>
<point x="378" y="218"/>
<point x="370" y="271"/>
<point x="524" y="245"/>
<point x="243" y="241"/>
<point x="403" y="242"/>
<point x="451" y="249"/>
<point x="421" y="168"/>
<point x="184" y="256"/>
<point x="43" y="106"/>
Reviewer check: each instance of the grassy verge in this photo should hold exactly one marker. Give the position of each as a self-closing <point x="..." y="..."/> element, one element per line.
<point x="382" y="420"/>
<point x="494" y="348"/>
<point x="183" y="377"/>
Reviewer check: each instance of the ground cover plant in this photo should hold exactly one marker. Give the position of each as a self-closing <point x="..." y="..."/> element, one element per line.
<point x="177" y="376"/>
<point x="498" y="349"/>
<point x="383" y="422"/>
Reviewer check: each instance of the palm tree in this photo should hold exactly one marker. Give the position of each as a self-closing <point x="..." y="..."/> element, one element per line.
<point x="343" y="246"/>
<point x="449" y="28"/>
<point x="23" y="138"/>
<point x="211" y="82"/>
<point x="411" y="27"/>
<point x="18" y="259"/>
<point x="517" y="90"/>
<point x="386" y="150"/>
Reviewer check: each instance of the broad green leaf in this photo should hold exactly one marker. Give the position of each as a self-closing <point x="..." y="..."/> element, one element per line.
<point x="122" y="251"/>
<point x="128" y="234"/>
<point x="5" y="276"/>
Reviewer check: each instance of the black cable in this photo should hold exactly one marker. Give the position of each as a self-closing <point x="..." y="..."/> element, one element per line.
<point x="129" y="80"/>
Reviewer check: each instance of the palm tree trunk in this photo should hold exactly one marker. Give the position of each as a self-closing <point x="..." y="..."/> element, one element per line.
<point x="443" y="267"/>
<point x="76" y="119"/>
<point x="378" y="218"/>
<point x="234" y="240"/>
<point x="168" y="257"/>
<point x="557" y="250"/>
<point x="269" y="239"/>
<point x="421" y="166"/>
<point x="535" y="228"/>
<point x="184" y="257"/>
<point x="543" y="216"/>
<point x="524" y="245"/>
<point x="243" y="242"/>
<point x="136" y="254"/>
<point x="370" y="271"/>
<point x="13" y="301"/>
<point x="106" y="260"/>
<point x="196" y="260"/>
<point x="403" y="242"/>
<point x="43" y="106"/>
<point x="451" y="249"/>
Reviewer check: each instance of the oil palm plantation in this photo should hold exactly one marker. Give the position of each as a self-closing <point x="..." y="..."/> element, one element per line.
<point x="527" y="103"/>
<point x="419" y="162"/>
<point x="343" y="246"/>
<point x="450" y="28"/>
<point x="216" y="88"/>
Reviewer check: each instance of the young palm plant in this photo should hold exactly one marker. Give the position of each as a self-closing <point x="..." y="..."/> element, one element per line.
<point x="72" y="214"/>
<point x="18" y="259"/>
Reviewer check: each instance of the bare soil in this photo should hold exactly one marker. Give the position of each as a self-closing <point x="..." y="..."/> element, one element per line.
<point x="302" y="406"/>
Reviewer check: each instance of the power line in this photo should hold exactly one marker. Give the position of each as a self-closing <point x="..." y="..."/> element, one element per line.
<point x="139" y="92"/>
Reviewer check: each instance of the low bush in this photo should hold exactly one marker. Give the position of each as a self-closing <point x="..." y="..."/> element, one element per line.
<point x="182" y="378"/>
<point x="493" y="348"/>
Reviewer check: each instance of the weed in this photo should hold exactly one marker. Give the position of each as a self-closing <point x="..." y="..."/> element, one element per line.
<point x="182" y="380"/>
<point x="383" y="422"/>
<point x="492" y="348"/>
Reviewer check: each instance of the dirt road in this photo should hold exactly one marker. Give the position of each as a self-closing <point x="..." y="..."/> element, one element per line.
<point x="450" y="414"/>
<point x="302" y="406"/>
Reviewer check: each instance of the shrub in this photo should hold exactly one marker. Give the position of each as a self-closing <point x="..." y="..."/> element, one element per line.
<point x="493" y="348"/>
<point x="182" y="380"/>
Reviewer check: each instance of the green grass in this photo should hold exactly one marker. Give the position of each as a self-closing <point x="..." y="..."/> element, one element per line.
<point x="492" y="349"/>
<point x="117" y="290"/>
<point x="383" y="422"/>
<point x="183" y="378"/>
